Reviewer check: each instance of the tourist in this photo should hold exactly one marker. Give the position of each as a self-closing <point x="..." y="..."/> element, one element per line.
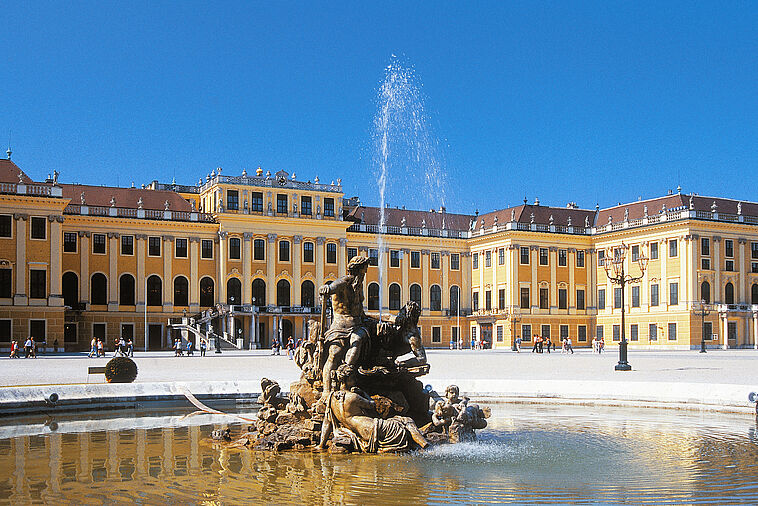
<point x="548" y="344"/>
<point x="55" y="345"/>
<point x="33" y="348"/>
<point x="601" y="346"/>
<point x="93" y="348"/>
<point x="518" y="344"/>
<point x="473" y="343"/>
<point x="178" y="348"/>
<point x="14" y="349"/>
<point x="117" y="348"/>
<point x="203" y="347"/>
<point x="100" y="348"/>
<point x="568" y="345"/>
<point x="535" y="346"/>
<point x="129" y="348"/>
<point x="190" y="348"/>
<point x="290" y="347"/>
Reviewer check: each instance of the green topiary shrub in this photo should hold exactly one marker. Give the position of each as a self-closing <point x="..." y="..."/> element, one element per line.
<point x="120" y="370"/>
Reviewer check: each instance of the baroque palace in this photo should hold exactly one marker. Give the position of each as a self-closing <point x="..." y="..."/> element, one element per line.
<point x="244" y="256"/>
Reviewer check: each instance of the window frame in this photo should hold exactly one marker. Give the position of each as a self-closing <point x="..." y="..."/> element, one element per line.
<point x="203" y="249"/>
<point x="35" y="229"/>
<point x="283" y="250"/>
<point x="75" y="242"/>
<point x="126" y="244"/>
<point x="157" y="240"/>
<point x="235" y="248"/>
<point x="177" y="247"/>
<point x="95" y="244"/>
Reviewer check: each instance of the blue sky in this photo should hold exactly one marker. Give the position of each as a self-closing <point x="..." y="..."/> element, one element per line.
<point x="587" y="101"/>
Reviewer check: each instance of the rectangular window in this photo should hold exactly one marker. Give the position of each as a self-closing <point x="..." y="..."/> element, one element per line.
<point x="181" y="248"/>
<point x="281" y="203"/>
<point x="728" y="248"/>
<point x="351" y="252"/>
<point x="284" y="251"/>
<point x="524" y="255"/>
<point x="581" y="333"/>
<point x="673" y="294"/>
<point x="501" y="256"/>
<point x="475" y="301"/>
<point x="563" y="330"/>
<point x="729" y="265"/>
<point x="232" y="200"/>
<point x="754" y="250"/>
<point x="488" y="258"/>
<point x="525" y="303"/>
<point x="256" y="202"/>
<point x="652" y="332"/>
<point x="373" y="257"/>
<point x="331" y="253"/>
<point x="37" y="331"/>
<point x="653" y="250"/>
<point x="580" y="258"/>
<point x="617" y="332"/>
<point x="707" y="331"/>
<point x="306" y="206"/>
<point x="6" y="230"/>
<point x="543" y="256"/>
<point x="69" y="242"/>
<point x="98" y="243"/>
<point x="394" y="258"/>
<point x="562" y="257"/>
<point x="601" y="298"/>
<point x="436" y="334"/>
<point x="235" y="251"/>
<point x="705" y="264"/>
<point x="39" y="227"/>
<point x="754" y="267"/>
<point x="6" y="283"/>
<point x="455" y="332"/>
<point x="435" y="260"/>
<point x="634" y="333"/>
<point x="526" y="332"/>
<point x="473" y="334"/>
<point x="544" y="298"/>
<point x="580" y="300"/>
<point x="501" y="298"/>
<point x="617" y="298"/>
<point x="635" y="296"/>
<point x="154" y="246"/>
<point x="415" y="259"/>
<point x="499" y="333"/>
<point x="705" y="246"/>
<point x="488" y="300"/>
<point x="654" y="295"/>
<point x="98" y="330"/>
<point x="601" y="258"/>
<point x="672" y="331"/>
<point x="562" y="298"/>
<point x="545" y="329"/>
<point x="37" y="283"/>
<point x="307" y="252"/>
<point x="475" y="260"/>
<point x="673" y="247"/>
<point x="206" y="248"/>
<point x="328" y="207"/>
<point x="635" y="253"/>
<point x="127" y="245"/>
<point x="455" y="261"/>
<point x="127" y="331"/>
<point x="5" y="331"/>
<point x="600" y="332"/>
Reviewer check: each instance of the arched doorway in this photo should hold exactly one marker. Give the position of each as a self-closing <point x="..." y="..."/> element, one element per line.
<point x="206" y="292"/>
<point x="286" y="330"/>
<point x="70" y="290"/>
<point x="259" y="292"/>
<point x="283" y="293"/>
<point x="233" y="291"/>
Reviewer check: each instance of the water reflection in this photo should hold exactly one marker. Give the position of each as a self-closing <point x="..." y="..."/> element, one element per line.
<point x="529" y="454"/>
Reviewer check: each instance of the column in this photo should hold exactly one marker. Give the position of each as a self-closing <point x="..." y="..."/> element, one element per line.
<point x="590" y="263"/>
<point x="717" y="270"/>
<point x="113" y="251"/>
<point x="694" y="289"/>
<point x="247" y="262"/>
<point x="534" y="253"/>
<point x="755" y="330"/>
<point x="724" y="330"/>
<point x="20" y="298"/>
<point x="405" y="254"/>
<point x="84" y="267"/>
<point x="194" y="281"/>
<point x="495" y="263"/>
<point x="663" y="291"/>
<point x="466" y="285"/>
<point x="684" y="256"/>
<point x="254" y="331"/>
<point x="296" y="273"/>
<point x="140" y="281"/>
<point x="425" y="281"/>
<point x="514" y="251"/>
<point x="553" y="278"/>
<point x="444" y="264"/>
<point x="743" y="284"/>
<point x="342" y="259"/>
<point x="644" y="286"/>
<point x="572" y="286"/>
<point x="223" y="257"/>
<point x="56" y="234"/>
<point x="271" y="269"/>
<point x="320" y="261"/>
<point x="168" y="276"/>
<point x="482" y="302"/>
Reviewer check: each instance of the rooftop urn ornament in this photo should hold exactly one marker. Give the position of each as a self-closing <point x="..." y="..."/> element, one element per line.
<point x="402" y="222"/>
<point x="316" y="180"/>
<point x="218" y="169"/>
<point x="208" y="177"/>
<point x="81" y="198"/>
<point x="472" y="224"/>
<point x="423" y="223"/>
<point x="531" y="218"/>
<point x="536" y="201"/>
<point x="113" y="201"/>
<point x="610" y="219"/>
<point x="213" y="173"/>
<point x="739" y="208"/>
<point x="293" y="176"/>
<point x="363" y="216"/>
<point x="495" y="221"/>
<point x="626" y="214"/>
<point x="194" y="208"/>
<point x="259" y="172"/>
<point x="166" y="205"/>
<point x="663" y="209"/>
<point x="244" y="172"/>
<point x="513" y="215"/>
<point x="569" y="221"/>
<point x="339" y="181"/>
<point x="692" y="202"/>
<point x="714" y="207"/>
<point x="586" y="222"/>
<point x="55" y="177"/>
<point x="644" y="210"/>
<point x="20" y="177"/>
<point x="551" y="219"/>
<point x="268" y="174"/>
<point x="139" y="203"/>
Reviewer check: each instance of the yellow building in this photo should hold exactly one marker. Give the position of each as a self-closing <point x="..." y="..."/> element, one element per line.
<point x="244" y="256"/>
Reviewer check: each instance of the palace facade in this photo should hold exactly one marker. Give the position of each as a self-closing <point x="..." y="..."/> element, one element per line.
<point x="244" y="256"/>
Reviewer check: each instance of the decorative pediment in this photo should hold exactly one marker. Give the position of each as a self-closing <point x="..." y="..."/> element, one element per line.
<point x="258" y="273"/>
<point x="235" y="271"/>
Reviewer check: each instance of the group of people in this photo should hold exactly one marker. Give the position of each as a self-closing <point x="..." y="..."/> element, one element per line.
<point x="30" y="349"/>
<point x="179" y="347"/>
<point x="598" y="344"/>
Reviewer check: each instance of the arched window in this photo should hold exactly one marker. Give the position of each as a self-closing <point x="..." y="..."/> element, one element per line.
<point x="154" y="291"/>
<point x="283" y="293"/>
<point x="126" y="290"/>
<point x="705" y="292"/>
<point x="181" y="291"/>
<point x="394" y="296"/>
<point x="233" y="291"/>
<point x="454" y="300"/>
<point x="259" y="292"/>
<point x="70" y="289"/>
<point x="729" y="293"/>
<point x="373" y="297"/>
<point x="207" y="295"/>
<point x="416" y="294"/>
<point x="435" y="298"/>
<point x="99" y="289"/>
<point x="754" y="294"/>
<point x="308" y="294"/>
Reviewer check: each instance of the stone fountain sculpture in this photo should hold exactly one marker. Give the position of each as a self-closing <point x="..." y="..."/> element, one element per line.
<point x="358" y="391"/>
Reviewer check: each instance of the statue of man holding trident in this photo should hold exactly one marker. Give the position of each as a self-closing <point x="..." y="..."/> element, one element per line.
<point x="348" y="338"/>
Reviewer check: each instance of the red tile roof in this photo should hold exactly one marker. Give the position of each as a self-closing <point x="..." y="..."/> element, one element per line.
<point x="100" y="196"/>
<point x="9" y="172"/>
<point x="394" y="218"/>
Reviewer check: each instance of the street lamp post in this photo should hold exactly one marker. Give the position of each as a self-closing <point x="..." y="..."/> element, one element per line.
<point x="613" y="263"/>
<point x="702" y="313"/>
<point x="515" y="318"/>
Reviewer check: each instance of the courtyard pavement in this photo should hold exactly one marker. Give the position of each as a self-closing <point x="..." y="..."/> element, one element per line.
<point x="732" y="367"/>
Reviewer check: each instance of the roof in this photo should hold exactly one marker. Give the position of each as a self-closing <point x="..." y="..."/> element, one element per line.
<point x="9" y="172"/>
<point x="393" y="217"/>
<point x="542" y="215"/>
<point x="100" y="196"/>
<point x="638" y="210"/>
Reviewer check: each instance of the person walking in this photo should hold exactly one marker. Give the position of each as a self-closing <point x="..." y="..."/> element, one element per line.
<point x="100" y="348"/>
<point x="290" y="347"/>
<point x="33" y="348"/>
<point x="548" y="344"/>
<point x="190" y="350"/>
<point x="130" y="348"/>
<point x="568" y="346"/>
<point x="203" y="347"/>
<point x="535" y="346"/>
<point x="518" y="344"/>
<point x="14" y="349"/>
<point x="92" y="348"/>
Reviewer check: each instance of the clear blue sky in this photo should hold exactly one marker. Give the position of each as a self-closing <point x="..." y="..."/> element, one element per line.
<point x="587" y="102"/>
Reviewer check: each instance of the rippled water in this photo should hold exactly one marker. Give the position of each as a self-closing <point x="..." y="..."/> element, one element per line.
<point x="528" y="454"/>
